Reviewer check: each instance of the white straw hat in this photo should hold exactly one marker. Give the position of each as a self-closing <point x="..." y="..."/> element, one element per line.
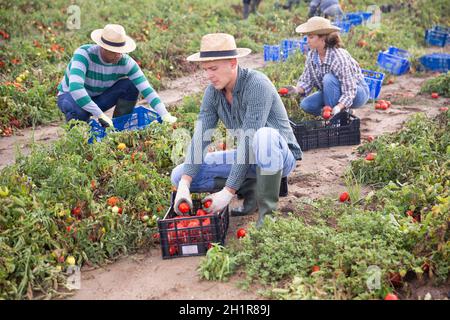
<point x="317" y="25"/>
<point x="218" y="46"/>
<point x="113" y="38"/>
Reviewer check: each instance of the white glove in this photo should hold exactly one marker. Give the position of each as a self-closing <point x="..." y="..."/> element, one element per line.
<point x="169" y="118"/>
<point x="336" y="110"/>
<point x="105" y="121"/>
<point x="183" y="195"/>
<point x="219" y="200"/>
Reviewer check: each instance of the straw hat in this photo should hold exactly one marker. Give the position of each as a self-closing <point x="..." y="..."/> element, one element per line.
<point x="316" y="25"/>
<point x="113" y="38"/>
<point x="217" y="46"/>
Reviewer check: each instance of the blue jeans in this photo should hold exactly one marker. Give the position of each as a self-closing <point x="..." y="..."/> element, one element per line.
<point x="271" y="154"/>
<point x="122" y="89"/>
<point x="330" y="96"/>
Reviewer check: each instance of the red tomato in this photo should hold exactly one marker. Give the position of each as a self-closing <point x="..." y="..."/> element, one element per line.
<point x="207" y="204"/>
<point x="409" y="213"/>
<point x="327" y="108"/>
<point x="434" y="95"/>
<point x="391" y="296"/>
<point x="370" y="138"/>
<point x="201" y="212"/>
<point x="283" y="91"/>
<point x="315" y="268"/>
<point x="326" y="115"/>
<point x="173" y="250"/>
<point x="76" y="211"/>
<point x="241" y="233"/>
<point x="370" y="156"/>
<point x="184" y="207"/>
<point x="443" y="109"/>
<point x="344" y="197"/>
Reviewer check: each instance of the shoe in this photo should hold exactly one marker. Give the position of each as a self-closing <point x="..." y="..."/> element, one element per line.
<point x="267" y="194"/>
<point x="248" y="192"/>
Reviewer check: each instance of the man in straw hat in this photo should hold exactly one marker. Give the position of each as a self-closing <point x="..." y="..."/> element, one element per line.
<point x="250" y="108"/>
<point x="101" y="76"/>
<point x="330" y="69"/>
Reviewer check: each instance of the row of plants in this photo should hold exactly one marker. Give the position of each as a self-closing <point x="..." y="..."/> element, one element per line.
<point x="363" y="246"/>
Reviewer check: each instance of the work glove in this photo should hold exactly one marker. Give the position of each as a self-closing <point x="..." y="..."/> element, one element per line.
<point x="219" y="200"/>
<point x="169" y="118"/>
<point x="183" y="195"/>
<point x="105" y="121"/>
<point x="336" y="110"/>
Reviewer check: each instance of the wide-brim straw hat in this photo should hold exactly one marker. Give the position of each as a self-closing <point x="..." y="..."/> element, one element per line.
<point x="113" y="38"/>
<point x="218" y="46"/>
<point x="317" y="25"/>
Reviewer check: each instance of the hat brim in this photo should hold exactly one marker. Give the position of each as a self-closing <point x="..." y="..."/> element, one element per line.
<point x="241" y="52"/>
<point x="129" y="46"/>
<point x="306" y="29"/>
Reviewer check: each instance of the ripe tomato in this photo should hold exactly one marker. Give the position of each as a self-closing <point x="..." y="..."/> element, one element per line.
<point x="184" y="207"/>
<point x="409" y="213"/>
<point x="112" y="201"/>
<point x="201" y="212"/>
<point x="370" y="156"/>
<point x="315" y="268"/>
<point x="283" y="91"/>
<point x="327" y="108"/>
<point x="370" y="138"/>
<point x="434" y="95"/>
<point x="76" y="211"/>
<point x="326" y="115"/>
<point x="240" y="233"/>
<point x="344" y="197"/>
<point x="443" y="109"/>
<point x="173" y="250"/>
<point x="207" y="204"/>
<point x="391" y="296"/>
<point x="222" y="146"/>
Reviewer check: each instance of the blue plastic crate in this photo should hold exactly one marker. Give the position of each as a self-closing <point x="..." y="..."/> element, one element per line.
<point x="394" y="60"/>
<point x="355" y="18"/>
<point x="344" y="25"/>
<point x="374" y="80"/>
<point x="139" y="119"/>
<point x="272" y="53"/>
<point x="291" y="46"/>
<point x="436" y="62"/>
<point x="438" y="36"/>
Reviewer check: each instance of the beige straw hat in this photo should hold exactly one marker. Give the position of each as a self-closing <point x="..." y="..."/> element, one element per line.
<point x="113" y="38"/>
<point x="316" y="25"/>
<point x="218" y="46"/>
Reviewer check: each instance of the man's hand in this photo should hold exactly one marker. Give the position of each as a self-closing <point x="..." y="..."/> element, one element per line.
<point x="336" y="109"/>
<point x="105" y="121"/>
<point x="219" y="200"/>
<point x="183" y="195"/>
<point x="169" y="118"/>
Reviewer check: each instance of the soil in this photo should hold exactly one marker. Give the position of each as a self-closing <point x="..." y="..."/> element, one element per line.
<point x="148" y="276"/>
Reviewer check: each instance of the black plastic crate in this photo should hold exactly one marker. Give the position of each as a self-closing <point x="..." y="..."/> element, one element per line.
<point x="342" y="130"/>
<point x="183" y="237"/>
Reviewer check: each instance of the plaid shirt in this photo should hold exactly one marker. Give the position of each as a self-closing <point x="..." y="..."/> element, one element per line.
<point x="338" y="62"/>
<point x="256" y="104"/>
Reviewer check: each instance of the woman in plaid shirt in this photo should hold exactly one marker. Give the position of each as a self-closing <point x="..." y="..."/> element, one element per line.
<point x="330" y="69"/>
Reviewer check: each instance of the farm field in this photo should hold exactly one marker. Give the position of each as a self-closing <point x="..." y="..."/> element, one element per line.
<point x="67" y="203"/>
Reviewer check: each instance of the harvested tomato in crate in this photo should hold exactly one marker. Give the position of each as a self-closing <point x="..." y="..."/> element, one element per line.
<point x="191" y="235"/>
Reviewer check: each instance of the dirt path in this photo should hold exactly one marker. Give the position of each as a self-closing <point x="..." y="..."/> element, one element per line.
<point x="318" y="174"/>
<point x="177" y="89"/>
